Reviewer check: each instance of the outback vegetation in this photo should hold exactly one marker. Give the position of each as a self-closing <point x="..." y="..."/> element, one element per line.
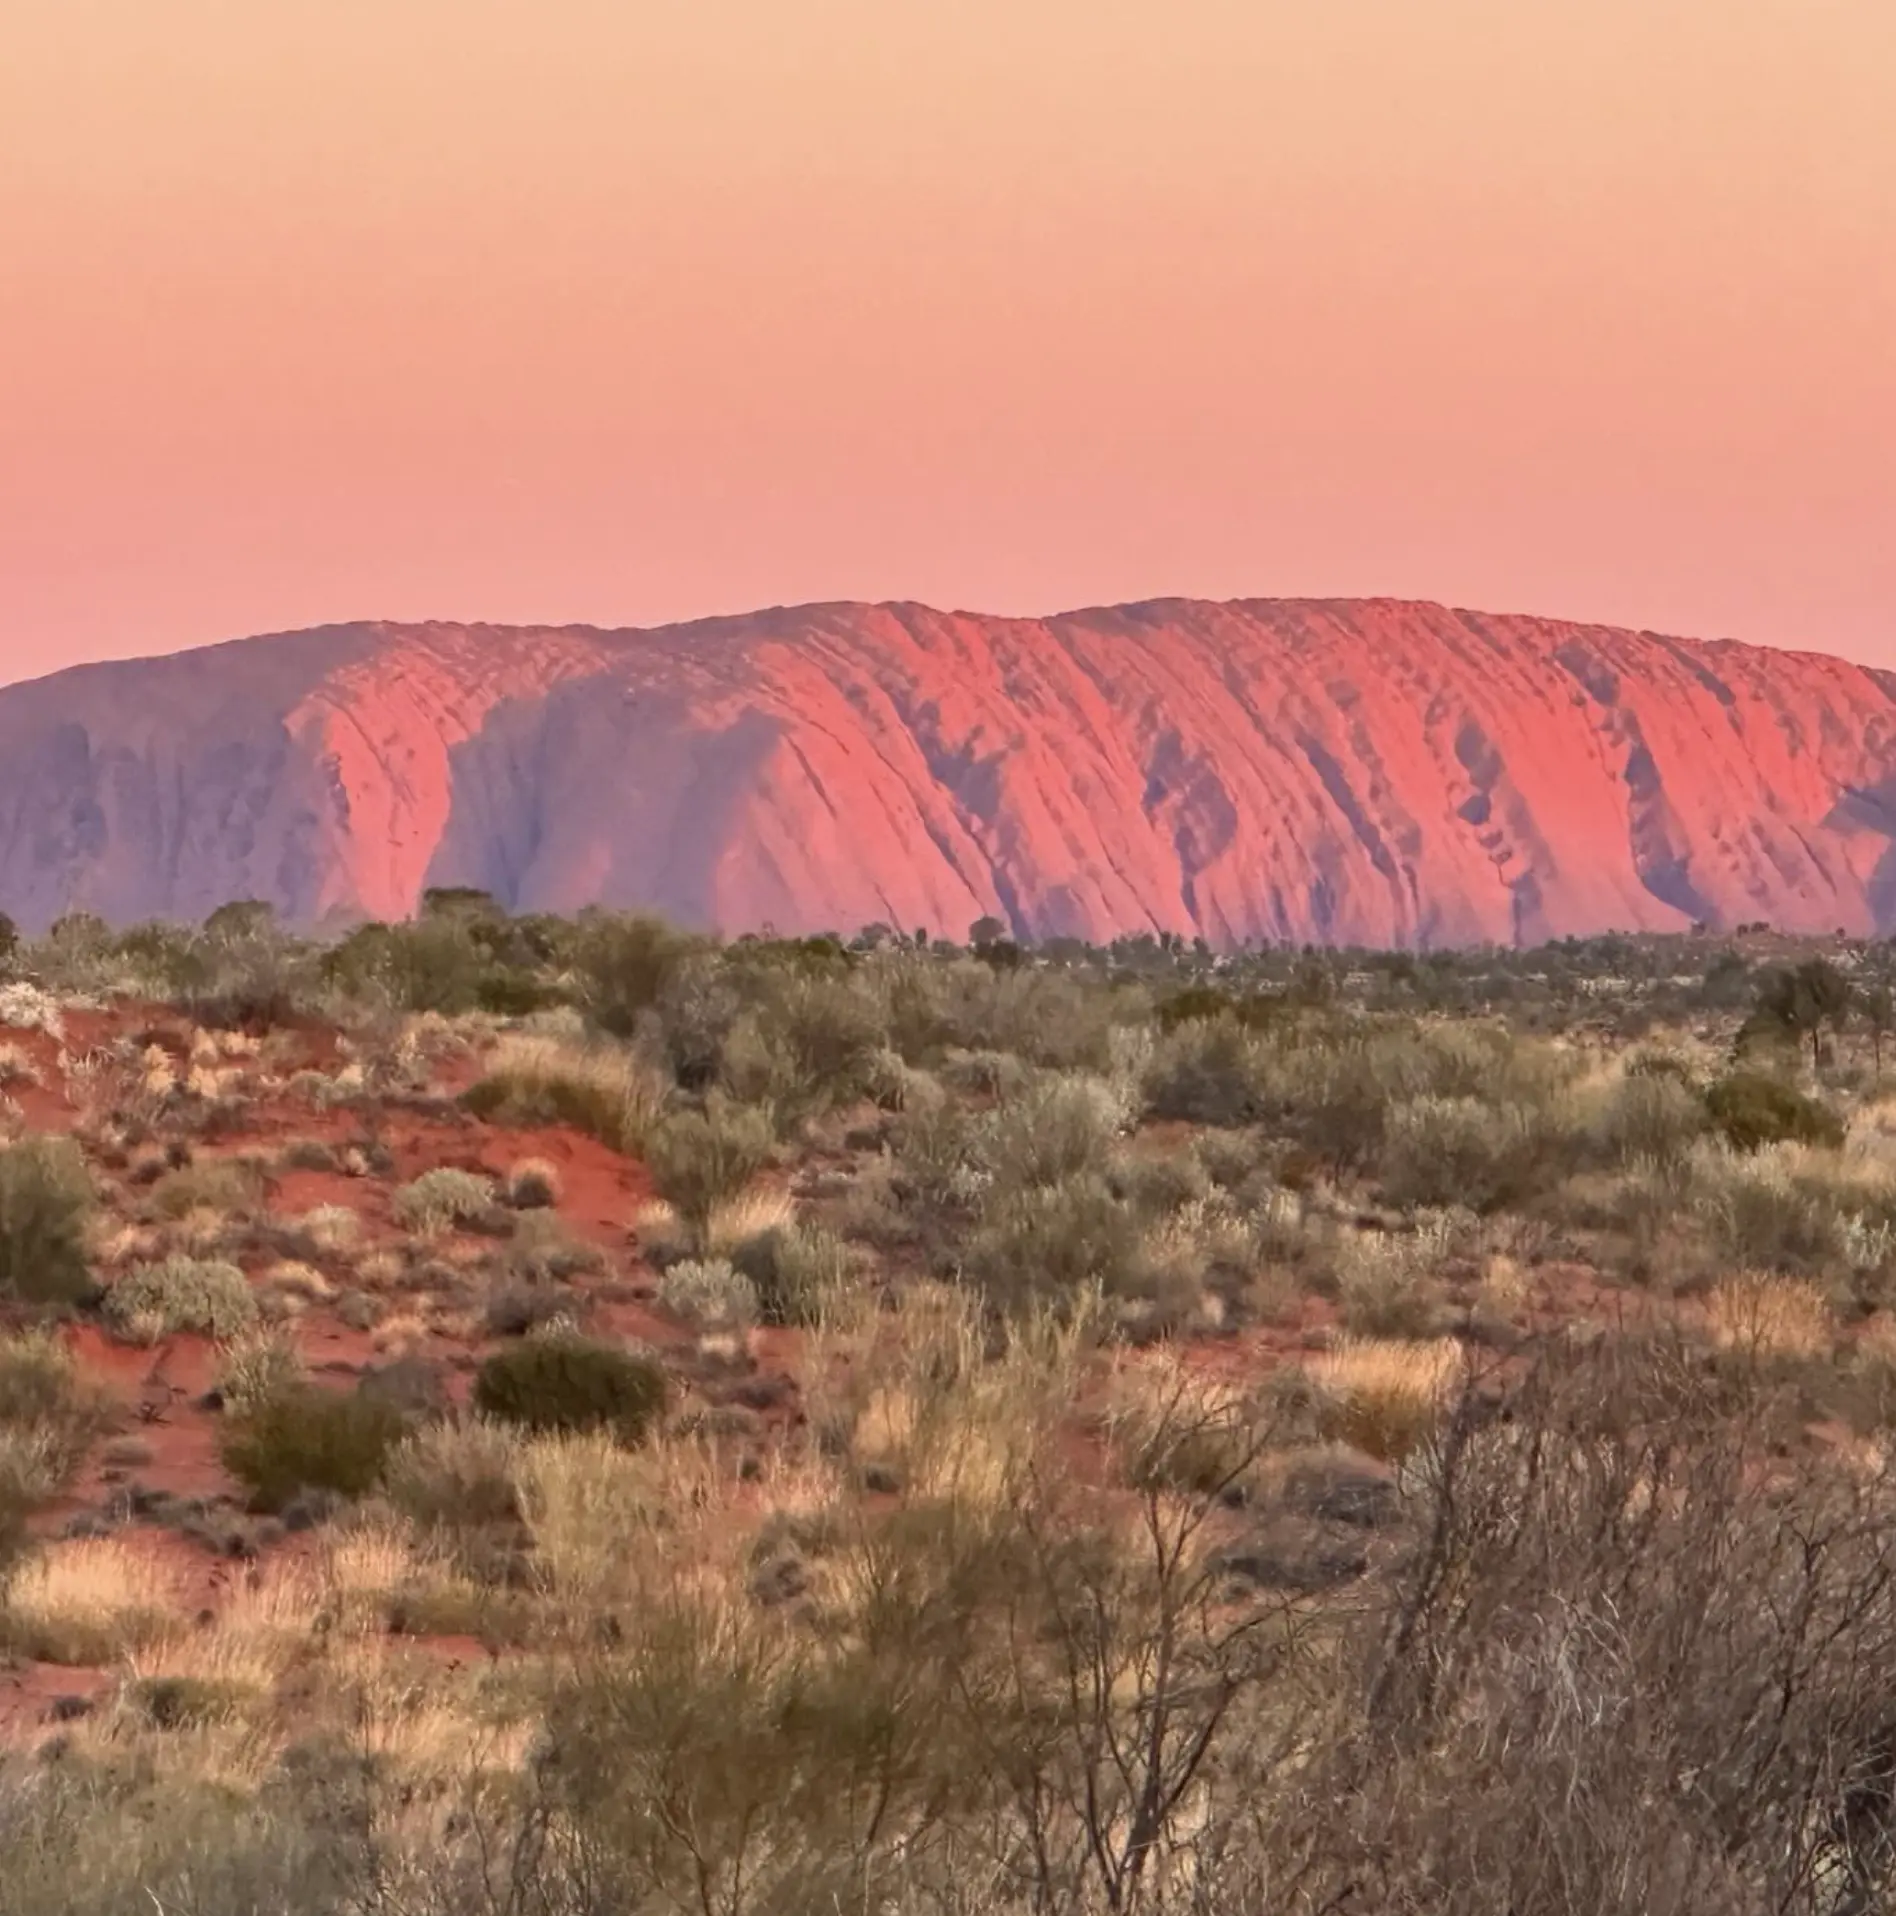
<point x="572" y="1418"/>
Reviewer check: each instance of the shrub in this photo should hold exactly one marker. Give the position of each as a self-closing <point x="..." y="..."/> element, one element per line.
<point x="1751" y="1109"/>
<point x="1063" y="1127"/>
<point x="624" y="966"/>
<point x="601" y="1091"/>
<point x="1462" y="1150"/>
<point x="1652" y="1115"/>
<point x="701" y="1159"/>
<point x="221" y="1185"/>
<point x="258" y="1366"/>
<point x="441" y="1198"/>
<point x="45" y="1206"/>
<point x="181" y="1294"/>
<point x="1050" y="1244"/>
<point x="1383" y="1287"/>
<point x="792" y="1269"/>
<point x="533" y="1185"/>
<point x="49" y="1416"/>
<point x="456" y="1475"/>
<point x="564" y="1382"/>
<point x="708" y="1294"/>
<point x="306" y="1438"/>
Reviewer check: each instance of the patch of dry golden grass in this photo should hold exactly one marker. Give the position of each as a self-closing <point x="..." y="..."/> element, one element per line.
<point x="1386" y="1394"/>
<point x="1758" y="1315"/>
<point x="87" y="1601"/>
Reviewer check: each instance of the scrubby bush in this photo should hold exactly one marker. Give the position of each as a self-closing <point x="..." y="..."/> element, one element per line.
<point x="624" y="965"/>
<point x="457" y="1479"/>
<point x="1751" y="1109"/>
<point x="257" y="1366"/>
<point x="792" y="1268"/>
<point x="45" y="1206"/>
<point x="305" y="1438"/>
<point x="181" y="1294"/>
<point x="223" y="1185"/>
<point x="565" y="1382"/>
<point x="49" y="1418"/>
<point x="1046" y="1245"/>
<point x="708" y="1294"/>
<point x="442" y="1198"/>
<point x="701" y="1159"/>
<point x="600" y="1091"/>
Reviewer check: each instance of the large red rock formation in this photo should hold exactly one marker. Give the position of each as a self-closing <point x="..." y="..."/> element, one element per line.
<point x="1364" y="772"/>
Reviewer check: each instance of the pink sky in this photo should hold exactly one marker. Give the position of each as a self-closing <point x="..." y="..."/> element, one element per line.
<point x="631" y="310"/>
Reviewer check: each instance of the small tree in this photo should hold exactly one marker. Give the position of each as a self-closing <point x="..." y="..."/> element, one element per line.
<point x="1803" y="1002"/>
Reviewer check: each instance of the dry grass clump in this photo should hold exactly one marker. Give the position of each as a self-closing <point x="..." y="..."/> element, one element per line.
<point x="703" y="1161"/>
<point x="26" y="1007"/>
<point x="222" y="1186"/>
<point x="1385" y="1395"/>
<point x="87" y="1601"/>
<point x="50" y="1416"/>
<point x="1754" y="1314"/>
<point x="442" y="1198"/>
<point x="601" y="1091"/>
<point x="331" y="1228"/>
<point x="256" y="1366"/>
<point x="589" y="1506"/>
<point x="17" y="1070"/>
<point x="210" y="1298"/>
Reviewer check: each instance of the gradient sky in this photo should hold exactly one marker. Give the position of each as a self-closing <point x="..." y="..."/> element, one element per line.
<point x="630" y="310"/>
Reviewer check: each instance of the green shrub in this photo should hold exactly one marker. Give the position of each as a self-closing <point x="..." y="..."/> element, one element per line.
<point x="441" y="1198"/>
<point x="1652" y="1115"/>
<point x="306" y="1438"/>
<point x="181" y="1294"/>
<point x="45" y="1205"/>
<point x="624" y="966"/>
<point x="1750" y="1109"/>
<point x="792" y="1269"/>
<point x="564" y="1382"/>
<point x="700" y="1159"/>
<point x="1049" y="1243"/>
<point x="1061" y="1128"/>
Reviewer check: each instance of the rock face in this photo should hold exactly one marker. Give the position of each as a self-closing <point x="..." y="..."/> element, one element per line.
<point x="1365" y="772"/>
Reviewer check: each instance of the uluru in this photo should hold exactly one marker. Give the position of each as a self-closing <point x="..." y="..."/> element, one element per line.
<point x="1366" y="772"/>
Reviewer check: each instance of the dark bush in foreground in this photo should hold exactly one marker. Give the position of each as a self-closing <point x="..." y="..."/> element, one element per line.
<point x="1750" y="1110"/>
<point x="557" y="1383"/>
<point x="45" y="1201"/>
<point x="306" y="1438"/>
